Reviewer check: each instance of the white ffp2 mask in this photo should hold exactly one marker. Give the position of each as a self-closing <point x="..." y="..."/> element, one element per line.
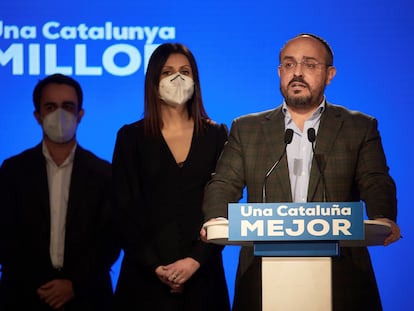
<point x="176" y="89"/>
<point x="60" y="125"/>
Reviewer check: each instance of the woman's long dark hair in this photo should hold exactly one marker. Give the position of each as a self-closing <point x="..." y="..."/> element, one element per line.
<point x="152" y="105"/>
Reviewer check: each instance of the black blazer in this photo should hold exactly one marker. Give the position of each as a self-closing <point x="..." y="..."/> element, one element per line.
<point x="158" y="204"/>
<point x="90" y="249"/>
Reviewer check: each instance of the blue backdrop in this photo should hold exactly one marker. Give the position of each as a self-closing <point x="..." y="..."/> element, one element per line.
<point x="105" y="45"/>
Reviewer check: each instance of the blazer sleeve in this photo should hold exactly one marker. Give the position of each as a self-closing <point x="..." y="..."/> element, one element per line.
<point x="7" y="212"/>
<point x="203" y="252"/>
<point x="130" y="223"/>
<point x="377" y="188"/>
<point x="227" y="182"/>
<point x="91" y="245"/>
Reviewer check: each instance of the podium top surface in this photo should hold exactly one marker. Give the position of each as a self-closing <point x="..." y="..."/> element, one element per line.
<point x="375" y="233"/>
<point x="218" y="233"/>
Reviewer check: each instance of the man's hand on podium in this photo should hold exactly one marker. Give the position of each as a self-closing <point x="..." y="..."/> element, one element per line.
<point x="203" y="231"/>
<point x="395" y="233"/>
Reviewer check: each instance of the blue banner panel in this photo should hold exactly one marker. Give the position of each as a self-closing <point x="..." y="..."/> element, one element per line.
<point x="313" y="221"/>
<point x="297" y="249"/>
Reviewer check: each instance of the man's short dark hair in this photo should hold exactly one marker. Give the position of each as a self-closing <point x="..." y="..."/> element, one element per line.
<point x="59" y="79"/>
<point x="330" y="55"/>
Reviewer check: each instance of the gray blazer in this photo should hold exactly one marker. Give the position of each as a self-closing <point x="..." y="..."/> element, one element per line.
<point x="355" y="168"/>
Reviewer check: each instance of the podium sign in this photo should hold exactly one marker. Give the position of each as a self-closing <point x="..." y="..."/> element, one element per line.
<point x="312" y="221"/>
<point x="296" y="229"/>
<point x="296" y="242"/>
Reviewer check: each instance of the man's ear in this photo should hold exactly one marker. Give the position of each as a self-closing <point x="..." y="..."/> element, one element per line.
<point x="80" y="115"/>
<point x="331" y="74"/>
<point x="37" y="117"/>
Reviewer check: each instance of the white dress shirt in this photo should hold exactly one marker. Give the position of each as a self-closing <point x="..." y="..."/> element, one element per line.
<point x="299" y="153"/>
<point x="59" y="183"/>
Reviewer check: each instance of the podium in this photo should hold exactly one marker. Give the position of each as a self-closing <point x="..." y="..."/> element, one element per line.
<point x="296" y="265"/>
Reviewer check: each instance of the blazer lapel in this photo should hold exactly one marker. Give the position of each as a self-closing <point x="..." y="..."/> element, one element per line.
<point x="39" y="180"/>
<point x="331" y="122"/>
<point x="274" y="135"/>
<point x="77" y="185"/>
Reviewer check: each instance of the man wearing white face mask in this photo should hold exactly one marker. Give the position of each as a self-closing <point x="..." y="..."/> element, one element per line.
<point x="56" y="239"/>
<point x="60" y="125"/>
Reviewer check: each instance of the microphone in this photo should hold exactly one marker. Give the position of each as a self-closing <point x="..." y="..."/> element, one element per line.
<point x="312" y="139"/>
<point x="287" y="140"/>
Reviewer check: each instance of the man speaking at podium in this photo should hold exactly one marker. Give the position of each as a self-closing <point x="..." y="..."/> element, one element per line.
<point x="307" y="150"/>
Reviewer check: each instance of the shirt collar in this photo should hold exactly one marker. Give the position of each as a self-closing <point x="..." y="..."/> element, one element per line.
<point x="317" y="113"/>
<point x="49" y="159"/>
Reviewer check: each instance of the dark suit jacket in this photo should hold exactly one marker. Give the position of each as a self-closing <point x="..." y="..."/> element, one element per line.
<point x="25" y="232"/>
<point x="355" y="168"/>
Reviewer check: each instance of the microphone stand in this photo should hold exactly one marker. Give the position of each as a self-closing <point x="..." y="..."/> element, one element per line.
<point x="312" y="139"/>
<point x="287" y="140"/>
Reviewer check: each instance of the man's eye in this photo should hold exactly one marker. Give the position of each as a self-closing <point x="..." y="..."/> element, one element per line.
<point x="49" y="107"/>
<point x="69" y="107"/>
<point x="310" y="65"/>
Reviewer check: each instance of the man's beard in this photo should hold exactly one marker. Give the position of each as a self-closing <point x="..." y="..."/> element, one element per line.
<point x="299" y="102"/>
<point x="304" y="101"/>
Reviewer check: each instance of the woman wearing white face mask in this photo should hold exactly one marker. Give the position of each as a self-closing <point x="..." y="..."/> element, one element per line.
<point x="161" y="164"/>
